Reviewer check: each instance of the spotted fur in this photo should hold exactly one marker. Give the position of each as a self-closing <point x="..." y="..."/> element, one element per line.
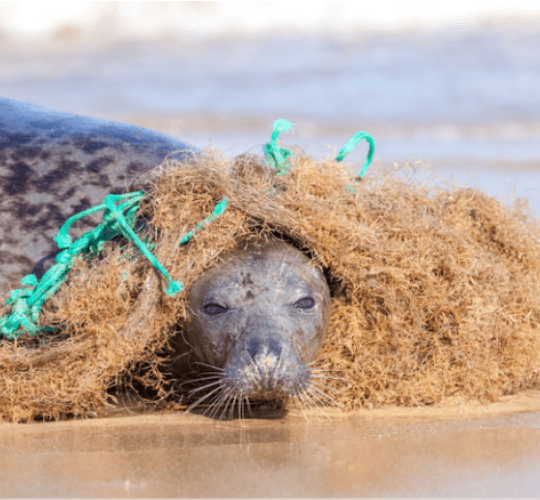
<point x="53" y="165"/>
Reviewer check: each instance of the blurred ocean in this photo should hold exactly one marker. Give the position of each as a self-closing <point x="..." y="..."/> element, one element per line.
<point x="456" y="87"/>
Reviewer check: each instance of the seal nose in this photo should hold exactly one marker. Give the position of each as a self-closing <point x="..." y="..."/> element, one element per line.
<point x="257" y="349"/>
<point x="266" y="357"/>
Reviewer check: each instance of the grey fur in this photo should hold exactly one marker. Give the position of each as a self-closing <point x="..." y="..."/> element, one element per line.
<point x="263" y="340"/>
<point x="53" y="165"/>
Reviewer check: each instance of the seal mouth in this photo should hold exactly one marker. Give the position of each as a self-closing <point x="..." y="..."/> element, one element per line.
<point x="254" y="382"/>
<point x="266" y="372"/>
<point x="259" y="381"/>
<point x="227" y="393"/>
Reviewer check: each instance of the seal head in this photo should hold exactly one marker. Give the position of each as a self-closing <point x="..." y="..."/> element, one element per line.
<point x="259" y="317"/>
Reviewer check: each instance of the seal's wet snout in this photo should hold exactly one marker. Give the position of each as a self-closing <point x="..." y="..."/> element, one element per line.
<point x="259" y="317"/>
<point x="267" y="369"/>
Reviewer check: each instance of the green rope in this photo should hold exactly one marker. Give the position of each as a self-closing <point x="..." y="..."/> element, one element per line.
<point x="114" y="223"/>
<point x="278" y="157"/>
<point x="27" y="302"/>
<point x="117" y="219"/>
<point x="218" y="210"/>
<point x="351" y="144"/>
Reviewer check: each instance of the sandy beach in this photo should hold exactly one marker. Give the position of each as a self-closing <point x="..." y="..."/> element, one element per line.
<point x="458" y="93"/>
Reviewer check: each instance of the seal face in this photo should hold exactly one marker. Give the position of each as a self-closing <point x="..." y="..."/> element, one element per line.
<point x="259" y="317"/>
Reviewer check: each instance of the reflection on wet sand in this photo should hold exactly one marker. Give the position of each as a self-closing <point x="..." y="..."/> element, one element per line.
<point x="396" y="452"/>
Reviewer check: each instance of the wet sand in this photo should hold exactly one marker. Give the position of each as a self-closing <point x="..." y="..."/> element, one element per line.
<point x="470" y="450"/>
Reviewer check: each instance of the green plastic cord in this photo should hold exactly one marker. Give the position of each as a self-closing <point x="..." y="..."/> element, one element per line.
<point x="278" y="157"/>
<point x="117" y="219"/>
<point x="351" y="144"/>
<point x="218" y="210"/>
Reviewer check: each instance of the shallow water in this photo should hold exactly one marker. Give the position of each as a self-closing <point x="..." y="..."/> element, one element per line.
<point x="183" y="455"/>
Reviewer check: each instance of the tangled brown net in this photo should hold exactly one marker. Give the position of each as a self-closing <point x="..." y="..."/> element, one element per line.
<point x="435" y="290"/>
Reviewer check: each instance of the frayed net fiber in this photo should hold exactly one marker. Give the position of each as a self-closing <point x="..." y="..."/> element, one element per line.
<point x="435" y="290"/>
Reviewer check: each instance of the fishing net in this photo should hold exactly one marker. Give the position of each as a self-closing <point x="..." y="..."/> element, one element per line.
<point x="434" y="287"/>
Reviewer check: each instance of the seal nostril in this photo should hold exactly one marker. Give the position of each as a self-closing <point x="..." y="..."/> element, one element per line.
<point x="254" y="349"/>
<point x="274" y="348"/>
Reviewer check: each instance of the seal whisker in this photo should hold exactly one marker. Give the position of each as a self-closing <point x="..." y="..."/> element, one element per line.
<point x="331" y="378"/>
<point x="306" y="401"/>
<point x="248" y="404"/>
<point x="316" y="399"/>
<point x="217" y="376"/>
<point x="212" y="401"/>
<point x="232" y="406"/>
<point x="322" y="369"/>
<point x="314" y="389"/>
<point x="326" y="371"/>
<point x="215" y="368"/>
<point x="214" y="372"/>
<point x="310" y="403"/>
<point x="192" y="382"/>
<point x="215" y="405"/>
<point x="320" y="384"/>
<point x="316" y="403"/>
<point x="227" y="396"/>
<point x="205" y="396"/>
<point x="230" y="411"/>
<point x="241" y="407"/>
<point x="302" y="397"/>
<point x="323" y="397"/>
<point x="219" y="401"/>
<point x="301" y="406"/>
<point x="211" y="384"/>
<point x="202" y="379"/>
<point x="177" y="386"/>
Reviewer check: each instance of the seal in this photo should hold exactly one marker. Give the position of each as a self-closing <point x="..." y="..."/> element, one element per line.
<point x="53" y="165"/>
<point x="257" y="319"/>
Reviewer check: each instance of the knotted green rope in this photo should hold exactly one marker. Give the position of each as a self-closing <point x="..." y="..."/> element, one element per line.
<point x="117" y="219"/>
<point x="27" y="302"/>
<point x="114" y="223"/>
<point x="278" y="157"/>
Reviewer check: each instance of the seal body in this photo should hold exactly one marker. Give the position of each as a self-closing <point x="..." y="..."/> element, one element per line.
<point x="259" y="318"/>
<point x="53" y="165"/>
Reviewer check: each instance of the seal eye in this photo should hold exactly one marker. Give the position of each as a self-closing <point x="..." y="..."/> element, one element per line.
<point x="305" y="303"/>
<point x="213" y="309"/>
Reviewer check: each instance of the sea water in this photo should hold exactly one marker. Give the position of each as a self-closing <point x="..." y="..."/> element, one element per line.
<point x="463" y="98"/>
